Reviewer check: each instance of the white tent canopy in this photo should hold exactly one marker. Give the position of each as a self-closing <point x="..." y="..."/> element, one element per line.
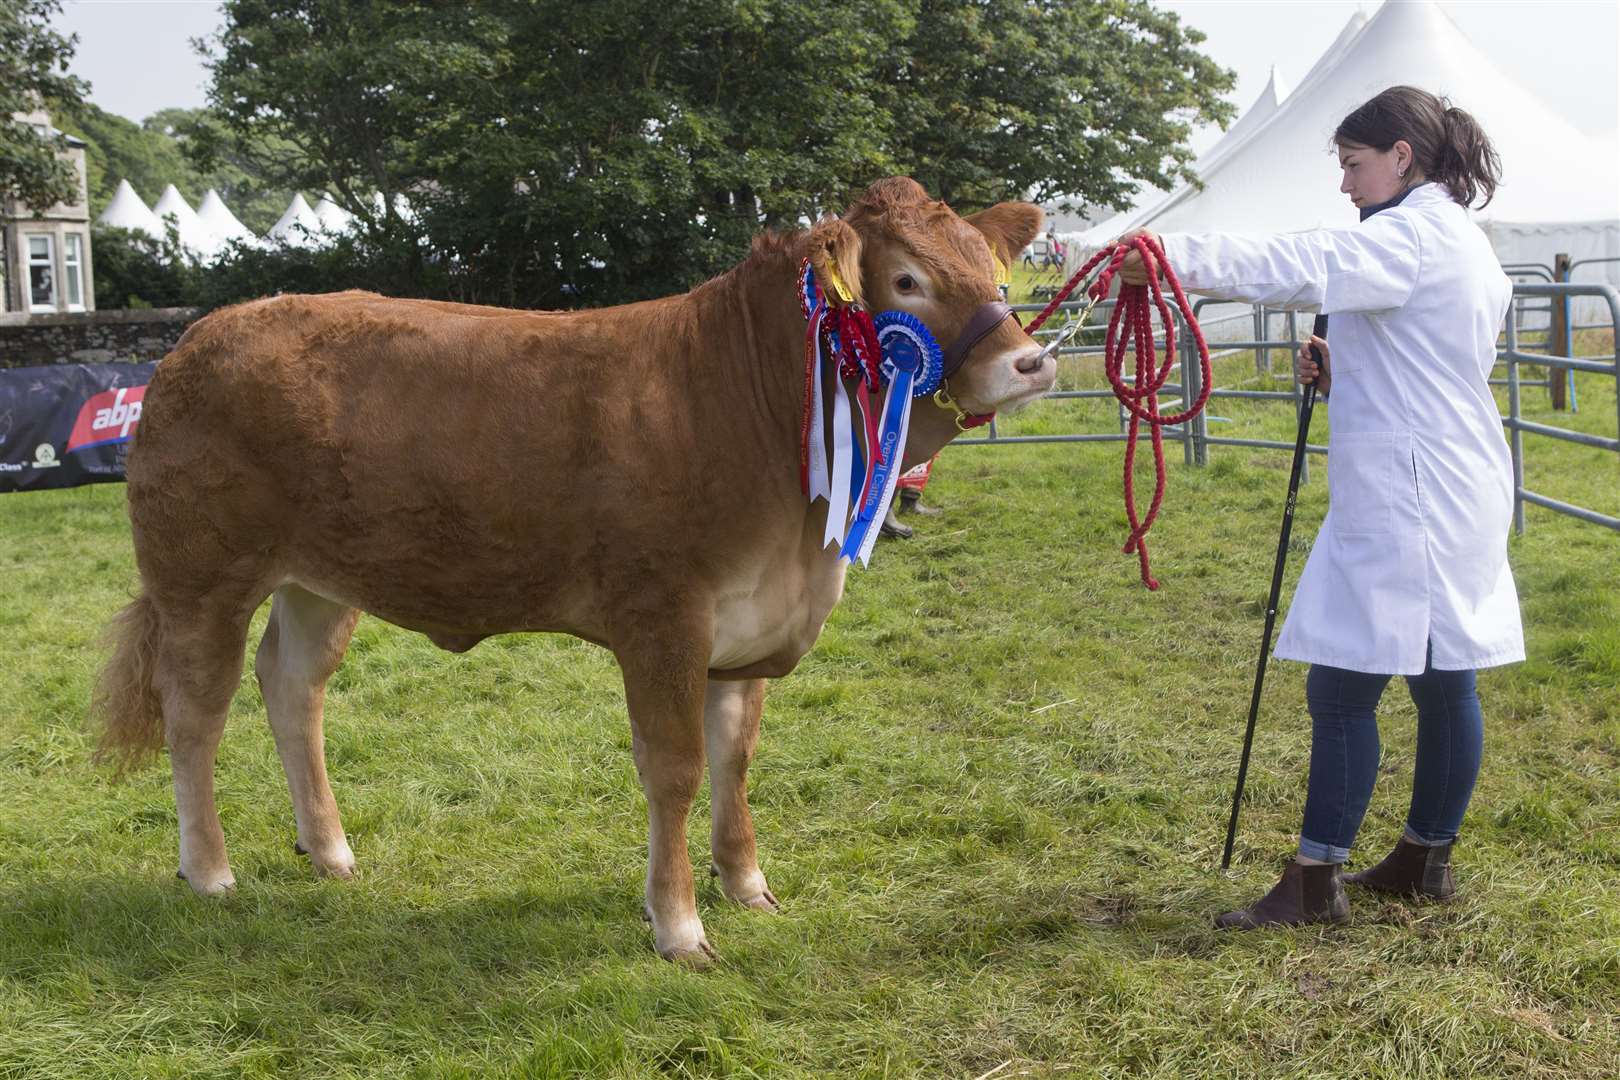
<point x="126" y="210"/>
<point x="220" y="223"/>
<point x="333" y="218"/>
<point x="298" y="226"/>
<point x="1560" y="189"/>
<point x="193" y="234"/>
<point x="1253" y="119"/>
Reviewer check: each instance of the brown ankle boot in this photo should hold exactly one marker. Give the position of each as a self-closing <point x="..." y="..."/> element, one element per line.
<point x="1306" y="894"/>
<point x="1411" y="870"/>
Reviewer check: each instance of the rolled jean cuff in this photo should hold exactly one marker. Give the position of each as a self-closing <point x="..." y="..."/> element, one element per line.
<point x="1327" y="853"/>
<point x="1412" y="836"/>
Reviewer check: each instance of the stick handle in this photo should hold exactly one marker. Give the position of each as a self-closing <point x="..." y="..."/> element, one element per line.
<point x="1319" y="329"/>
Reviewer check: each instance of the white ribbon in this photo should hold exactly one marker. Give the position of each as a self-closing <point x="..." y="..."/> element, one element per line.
<point x="843" y="465"/>
<point x="818" y="479"/>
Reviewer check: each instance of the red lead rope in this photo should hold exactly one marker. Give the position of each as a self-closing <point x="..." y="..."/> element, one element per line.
<point x="1141" y="398"/>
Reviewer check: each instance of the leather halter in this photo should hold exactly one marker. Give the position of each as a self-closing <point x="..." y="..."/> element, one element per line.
<point x="988" y="316"/>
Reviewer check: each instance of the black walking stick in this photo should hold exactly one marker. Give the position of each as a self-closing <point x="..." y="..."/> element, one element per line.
<point x="1317" y="330"/>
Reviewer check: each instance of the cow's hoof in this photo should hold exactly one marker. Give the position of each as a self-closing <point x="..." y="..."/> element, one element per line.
<point x="336" y="862"/>
<point x="339" y="870"/>
<point x="694" y="957"/>
<point x="213" y="883"/>
<point x="690" y="950"/>
<point x="763" y="901"/>
<point x="750" y="891"/>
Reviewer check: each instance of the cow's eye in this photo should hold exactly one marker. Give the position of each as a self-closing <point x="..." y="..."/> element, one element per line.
<point x="905" y="283"/>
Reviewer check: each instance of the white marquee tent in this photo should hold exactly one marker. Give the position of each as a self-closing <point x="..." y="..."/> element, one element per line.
<point x="194" y="235"/>
<point x="298" y="226"/>
<point x="207" y="230"/>
<point x="127" y="210"/>
<point x="1252" y="120"/>
<point x="221" y="224"/>
<point x="1560" y="190"/>
<point x="333" y="218"/>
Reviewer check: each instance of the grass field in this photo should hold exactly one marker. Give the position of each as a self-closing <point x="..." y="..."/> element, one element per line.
<point x="991" y="800"/>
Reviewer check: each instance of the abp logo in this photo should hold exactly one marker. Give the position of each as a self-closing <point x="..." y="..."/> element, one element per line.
<point x="108" y="417"/>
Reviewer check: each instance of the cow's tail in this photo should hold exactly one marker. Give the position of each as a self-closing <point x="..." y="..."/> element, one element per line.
<point x="125" y="703"/>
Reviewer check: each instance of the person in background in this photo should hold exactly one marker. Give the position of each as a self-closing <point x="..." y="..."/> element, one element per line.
<point x="1054" y="251"/>
<point x="908" y="500"/>
<point x="1409" y="573"/>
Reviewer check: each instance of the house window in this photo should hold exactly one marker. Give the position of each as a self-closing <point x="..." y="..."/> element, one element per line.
<point x="73" y="270"/>
<point x="41" y="274"/>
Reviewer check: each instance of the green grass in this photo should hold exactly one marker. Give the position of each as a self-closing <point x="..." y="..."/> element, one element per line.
<point x="992" y="801"/>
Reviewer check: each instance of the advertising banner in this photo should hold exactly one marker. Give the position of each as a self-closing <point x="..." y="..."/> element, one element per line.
<point x="68" y="424"/>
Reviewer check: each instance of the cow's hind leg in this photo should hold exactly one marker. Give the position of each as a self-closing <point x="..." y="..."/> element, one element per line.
<point x="199" y="663"/>
<point x="302" y="646"/>
<point x="731" y="713"/>
<point x="664" y="677"/>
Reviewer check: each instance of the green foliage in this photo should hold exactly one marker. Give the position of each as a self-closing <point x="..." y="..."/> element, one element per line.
<point x="560" y="152"/>
<point x="380" y="263"/>
<point x="135" y="271"/>
<point x="33" y="69"/>
<point x="120" y="149"/>
<point x="1052" y="98"/>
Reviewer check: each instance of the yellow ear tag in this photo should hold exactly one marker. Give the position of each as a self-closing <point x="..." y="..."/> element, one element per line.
<point x="1002" y="276"/>
<point x="838" y="285"/>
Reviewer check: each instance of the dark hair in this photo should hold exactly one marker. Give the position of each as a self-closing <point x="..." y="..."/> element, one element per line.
<point x="1448" y="143"/>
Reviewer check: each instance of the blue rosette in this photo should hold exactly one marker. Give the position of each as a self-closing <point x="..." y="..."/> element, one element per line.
<point x="909" y="347"/>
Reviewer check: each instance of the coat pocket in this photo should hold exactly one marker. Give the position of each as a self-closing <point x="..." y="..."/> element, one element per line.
<point x="1361" y="482"/>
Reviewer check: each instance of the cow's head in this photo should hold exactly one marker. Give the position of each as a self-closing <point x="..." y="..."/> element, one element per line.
<point x="896" y="248"/>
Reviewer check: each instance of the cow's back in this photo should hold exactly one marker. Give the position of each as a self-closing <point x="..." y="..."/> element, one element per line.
<point x="433" y="463"/>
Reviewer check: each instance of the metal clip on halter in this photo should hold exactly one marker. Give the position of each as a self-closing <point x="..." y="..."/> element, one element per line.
<point x="1070" y="331"/>
<point x="943" y="399"/>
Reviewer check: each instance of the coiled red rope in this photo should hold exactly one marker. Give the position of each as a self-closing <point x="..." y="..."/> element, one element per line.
<point x="1132" y="322"/>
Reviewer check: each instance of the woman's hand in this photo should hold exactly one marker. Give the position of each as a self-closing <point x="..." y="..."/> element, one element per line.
<point x="1306" y="369"/>
<point x="1133" y="271"/>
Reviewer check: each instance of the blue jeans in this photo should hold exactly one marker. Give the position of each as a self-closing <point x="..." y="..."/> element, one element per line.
<point x="1344" y="756"/>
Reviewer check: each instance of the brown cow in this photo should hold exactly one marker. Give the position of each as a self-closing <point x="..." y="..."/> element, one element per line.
<point x="628" y="475"/>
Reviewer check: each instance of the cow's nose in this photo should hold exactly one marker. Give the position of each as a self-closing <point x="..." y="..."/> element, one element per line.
<point x="1030" y="362"/>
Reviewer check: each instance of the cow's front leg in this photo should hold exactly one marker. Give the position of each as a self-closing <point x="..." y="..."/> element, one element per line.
<point x="731" y="713"/>
<point x="664" y="684"/>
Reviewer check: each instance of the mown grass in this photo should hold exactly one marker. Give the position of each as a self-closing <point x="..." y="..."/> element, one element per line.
<point x="992" y="800"/>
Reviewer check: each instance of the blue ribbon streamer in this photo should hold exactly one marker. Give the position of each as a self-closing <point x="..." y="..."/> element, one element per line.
<point x="888" y="453"/>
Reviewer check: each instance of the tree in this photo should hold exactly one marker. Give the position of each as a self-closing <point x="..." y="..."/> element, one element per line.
<point x="999" y="99"/>
<point x="557" y="152"/>
<point x="120" y="149"/>
<point x="200" y="139"/>
<point x="33" y="69"/>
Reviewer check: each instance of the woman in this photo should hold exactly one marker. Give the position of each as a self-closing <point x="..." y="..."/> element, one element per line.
<point x="1409" y="573"/>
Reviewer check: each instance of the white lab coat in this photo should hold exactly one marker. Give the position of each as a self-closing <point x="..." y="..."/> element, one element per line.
<point x="1420" y="489"/>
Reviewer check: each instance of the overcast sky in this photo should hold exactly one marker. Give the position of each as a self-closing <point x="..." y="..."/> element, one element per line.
<point x="138" y="58"/>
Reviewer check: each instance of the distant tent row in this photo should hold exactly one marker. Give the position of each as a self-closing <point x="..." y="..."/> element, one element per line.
<point x="211" y="227"/>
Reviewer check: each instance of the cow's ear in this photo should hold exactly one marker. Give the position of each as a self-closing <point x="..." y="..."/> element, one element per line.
<point x="835" y="256"/>
<point x="1008" y="227"/>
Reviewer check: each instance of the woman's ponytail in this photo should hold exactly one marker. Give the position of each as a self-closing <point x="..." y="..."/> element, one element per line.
<point x="1466" y="162"/>
<point x="1447" y="143"/>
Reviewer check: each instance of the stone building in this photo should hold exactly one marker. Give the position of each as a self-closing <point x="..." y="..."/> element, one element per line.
<point x="45" y="258"/>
